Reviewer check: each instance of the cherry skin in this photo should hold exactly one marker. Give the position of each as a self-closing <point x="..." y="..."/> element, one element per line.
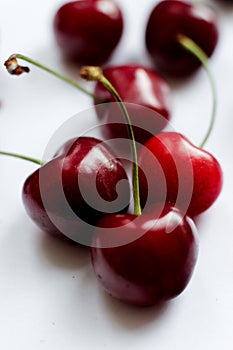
<point x="170" y="18"/>
<point x="186" y="170"/>
<point x="153" y="267"/>
<point x="87" y="31"/>
<point x="56" y="195"/>
<point x="147" y="98"/>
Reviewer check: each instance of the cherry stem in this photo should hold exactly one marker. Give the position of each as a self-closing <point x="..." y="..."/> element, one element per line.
<point x="95" y="74"/>
<point x="14" y="68"/>
<point x="192" y="47"/>
<point x="20" y="156"/>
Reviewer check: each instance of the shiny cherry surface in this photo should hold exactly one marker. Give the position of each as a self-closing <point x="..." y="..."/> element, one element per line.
<point x="147" y="96"/>
<point x="170" y="18"/>
<point x="187" y="171"/>
<point x="79" y="183"/>
<point x="150" y="269"/>
<point x="87" y="31"/>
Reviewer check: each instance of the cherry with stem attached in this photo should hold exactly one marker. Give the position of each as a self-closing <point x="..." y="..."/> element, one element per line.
<point x="192" y="176"/>
<point x="69" y="194"/>
<point x="147" y="97"/>
<point x="133" y="256"/>
<point x="167" y="21"/>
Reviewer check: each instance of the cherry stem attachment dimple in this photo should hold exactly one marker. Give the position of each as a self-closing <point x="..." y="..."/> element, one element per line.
<point x="192" y="47"/>
<point x="91" y="73"/>
<point x="21" y="156"/>
<point x="15" y="68"/>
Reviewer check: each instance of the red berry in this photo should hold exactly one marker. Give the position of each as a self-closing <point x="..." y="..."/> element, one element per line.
<point x="87" y="31"/>
<point x="170" y="18"/>
<point x="55" y="195"/>
<point x="180" y="173"/>
<point x="147" y="98"/>
<point x="154" y="265"/>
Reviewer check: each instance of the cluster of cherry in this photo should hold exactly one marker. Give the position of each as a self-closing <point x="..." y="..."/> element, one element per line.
<point x="148" y="256"/>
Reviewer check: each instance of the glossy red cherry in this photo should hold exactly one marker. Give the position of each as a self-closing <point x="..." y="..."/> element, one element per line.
<point x="180" y="172"/>
<point x="170" y="18"/>
<point x="157" y="262"/>
<point x="87" y="31"/>
<point x="67" y="188"/>
<point x="147" y="96"/>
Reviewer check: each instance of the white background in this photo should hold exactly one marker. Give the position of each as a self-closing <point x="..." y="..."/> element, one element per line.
<point x="49" y="297"/>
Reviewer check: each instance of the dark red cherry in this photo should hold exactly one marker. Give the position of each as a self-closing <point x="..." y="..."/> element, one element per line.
<point x="154" y="260"/>
<point x="147" y="96"/>
<point x="170" y="18"/>
<point x="76" y="188"/>
<point x="87" y="31"/>
<point x="179" y="172"/>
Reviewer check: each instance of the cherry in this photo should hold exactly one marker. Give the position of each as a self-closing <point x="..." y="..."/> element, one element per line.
<point x="168" y="20"/>
<point x="147" y="97"/>
<point x="78" y="185"/>
<point x="156" y="264"/>
<point x="87" y="31"/>
<point x="193" y="177"/>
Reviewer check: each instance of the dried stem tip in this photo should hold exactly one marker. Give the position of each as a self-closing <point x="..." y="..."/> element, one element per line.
<point x="14" y="68"/>
<point x="91" y="73"/>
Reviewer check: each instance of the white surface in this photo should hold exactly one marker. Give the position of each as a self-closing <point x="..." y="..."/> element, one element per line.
<point x="49" y="298"/>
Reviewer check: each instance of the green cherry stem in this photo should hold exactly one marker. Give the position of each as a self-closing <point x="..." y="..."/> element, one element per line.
<point x="95" y="74"/>
<point x="192" y="47"/>
<point x="14" y="68"/>
<point x="20" y="156"/>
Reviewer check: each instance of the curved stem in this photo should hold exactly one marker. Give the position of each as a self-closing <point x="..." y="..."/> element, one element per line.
<point x="96" y="74"/>
<point x="20" y="156"/>
<point x="14" y="68"/>
<point x="192" y="47"/>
